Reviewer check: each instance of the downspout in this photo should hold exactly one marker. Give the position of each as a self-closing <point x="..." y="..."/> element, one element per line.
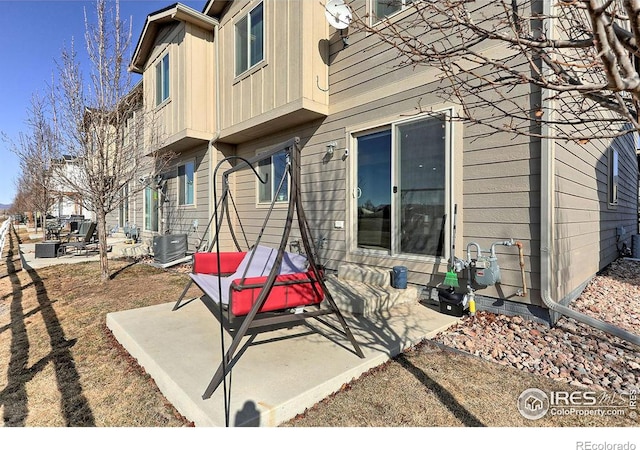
<point x="216" y="134"/>
<point x="547" y="217"/>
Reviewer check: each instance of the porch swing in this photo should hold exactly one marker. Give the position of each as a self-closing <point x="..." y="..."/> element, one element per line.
<point x="264" y="287"/>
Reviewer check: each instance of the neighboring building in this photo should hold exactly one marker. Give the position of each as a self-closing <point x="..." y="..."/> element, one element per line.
<point x="380" y="180"/>
<point x="129" y="213"/>
<point x="67" y="202"/>
<point x="176" y="57"/>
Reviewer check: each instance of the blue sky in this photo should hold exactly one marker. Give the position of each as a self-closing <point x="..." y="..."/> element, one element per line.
<point x="33" y="34"/>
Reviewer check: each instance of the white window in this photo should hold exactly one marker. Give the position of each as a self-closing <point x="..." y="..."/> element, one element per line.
<point x="129" y="130"/>
<point x="385" y="8"/>
<point x="150" y="209"/>
<point x="613" y="176"/>
<point x="185" y="183"/>
<point x="250" y="40"/>
<point x="124" y="207"/>
<point x="162" y="80"/>
<point x="402" y="187"/>
<point x="273" y="171"/>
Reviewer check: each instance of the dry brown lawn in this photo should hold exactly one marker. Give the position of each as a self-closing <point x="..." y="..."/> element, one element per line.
<point x="60" y="366"/>
<point x="431" y="386"/>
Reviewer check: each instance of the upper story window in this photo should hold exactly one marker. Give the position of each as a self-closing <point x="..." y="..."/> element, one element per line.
<point x="273" y="170"/>
<point x="129" y="130"/>
<point x="162" y="80"/>
<point x="385" y="8"/>
<point x="185" y="183"/>
<point x="250" y="40"/>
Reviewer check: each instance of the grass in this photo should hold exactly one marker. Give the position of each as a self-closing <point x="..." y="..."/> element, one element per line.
<point x="63" y="367"/>
<point x="431" y="386"/>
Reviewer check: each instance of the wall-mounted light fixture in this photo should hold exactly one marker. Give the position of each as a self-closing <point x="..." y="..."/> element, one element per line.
<point x="345" y="38"/>
<point x="331" y="147"/>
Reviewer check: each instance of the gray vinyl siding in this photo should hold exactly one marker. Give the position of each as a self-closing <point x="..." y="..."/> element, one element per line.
<point x="179" y="219"/>
<point x="135" y="208"/>
<point x="497" y="175"/>
<point x="496" y="181"/>
<point x="498" y="185"/>
<point x="585" y="222"/>
<point x="502" y="201"/>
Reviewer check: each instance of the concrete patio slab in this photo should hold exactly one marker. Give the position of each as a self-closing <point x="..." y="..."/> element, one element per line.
<point x="119" y="249"/>
<point x="280" y="373"/>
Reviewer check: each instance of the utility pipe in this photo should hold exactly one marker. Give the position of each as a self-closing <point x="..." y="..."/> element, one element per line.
<point x="547" y="222"/>
<point x="478" y="250"/>
<point x="521" y="256"/>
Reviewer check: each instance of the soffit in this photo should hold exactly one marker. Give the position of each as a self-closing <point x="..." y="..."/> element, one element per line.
<point x="214" y="8"/>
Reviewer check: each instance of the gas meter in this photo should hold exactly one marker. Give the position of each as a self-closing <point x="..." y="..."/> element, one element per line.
<point x="485" y="270"/>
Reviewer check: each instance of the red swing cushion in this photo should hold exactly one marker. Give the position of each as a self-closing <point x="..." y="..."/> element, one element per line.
<point x="207" y="262"/>
<point x="282" y="296"/>
<point x="290" y="290"/>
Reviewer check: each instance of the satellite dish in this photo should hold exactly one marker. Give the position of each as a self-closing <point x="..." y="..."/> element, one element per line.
<point x="338" y="14"/>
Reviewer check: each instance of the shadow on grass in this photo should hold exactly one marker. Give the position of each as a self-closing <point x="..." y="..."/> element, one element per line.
<point x="13" y="397"/>
<point x="122" y="269"/>
<point x="445" y="397"/>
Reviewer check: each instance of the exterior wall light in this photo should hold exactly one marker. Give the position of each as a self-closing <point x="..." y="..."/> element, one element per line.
<point x="331" y="146"/>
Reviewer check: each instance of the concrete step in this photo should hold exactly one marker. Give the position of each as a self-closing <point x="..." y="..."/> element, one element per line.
<point x="363" y="274"/>
<point x="368" y="300"/>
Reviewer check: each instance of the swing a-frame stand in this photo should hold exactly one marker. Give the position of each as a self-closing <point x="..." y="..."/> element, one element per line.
<point x="259" y="314"/>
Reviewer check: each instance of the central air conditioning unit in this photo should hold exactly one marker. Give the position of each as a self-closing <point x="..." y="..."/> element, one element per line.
<point x="169" y="247"/>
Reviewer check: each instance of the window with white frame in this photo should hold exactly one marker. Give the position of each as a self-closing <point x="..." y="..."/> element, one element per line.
<point x="185" y="183"/>
<point x="250" y="39"/>
<point x="129" y="130"/>
<point x="162" y="80"/>
<point x="150" y="209"/>
<point x="613" y="176"/>
<point x="274" y="171"/>
<point x="123" y="218"/>
<point x="385" y="8"/>
<point x="402" y="185"/>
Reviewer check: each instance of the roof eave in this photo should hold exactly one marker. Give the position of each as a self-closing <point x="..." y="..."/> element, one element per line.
<point x="175" y="13"/>
<point x="214" y="8"/>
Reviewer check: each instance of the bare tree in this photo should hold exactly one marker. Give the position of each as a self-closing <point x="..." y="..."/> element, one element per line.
<point x="100" y="120"/>
<point x="580" y="54"/>
<point x="36" y="150"/>
<point x="21" y="202"/>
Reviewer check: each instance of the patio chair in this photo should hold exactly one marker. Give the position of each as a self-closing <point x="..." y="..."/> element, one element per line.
<point x="84" y="243"/>
<point x="78" y="231"/>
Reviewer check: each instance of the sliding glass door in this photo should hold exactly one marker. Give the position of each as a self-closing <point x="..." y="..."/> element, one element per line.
<point x="401" y="187"/>
<point x="421" y="182"/>
<point x="374" y="190"/>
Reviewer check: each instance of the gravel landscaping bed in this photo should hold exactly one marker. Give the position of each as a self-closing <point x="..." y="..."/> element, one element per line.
<point x="570" y="351"/>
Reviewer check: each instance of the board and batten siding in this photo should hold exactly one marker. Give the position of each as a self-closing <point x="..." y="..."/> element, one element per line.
<point x="497" y="176"/>
<point x="190" y="109"/>
<point x="287" y="79"/>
